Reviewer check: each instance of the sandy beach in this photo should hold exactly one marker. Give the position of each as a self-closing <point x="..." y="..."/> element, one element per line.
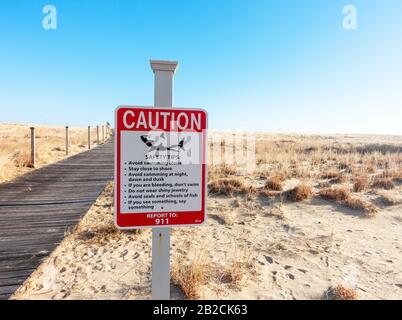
<point x="253" y="246"/>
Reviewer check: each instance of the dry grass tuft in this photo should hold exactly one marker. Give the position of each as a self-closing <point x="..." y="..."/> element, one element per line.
<point x="339" y="292"/>
<point x="237" y="268"/>
<point x="190" y="276"/>
<point x="368" y="208"/>
<point x="383" y="183"/>
<point x="334" y="176"/>
<point x="334" y="194"/>
<point x="22" y="159"/>
<point x="397" y="177"/>
<point x="370" y="169"/>
<point x="267" y="193"/>
<point x="300" y="193"/>
<point x="342" y="195"/>
<point x="221" y="171"/>
<point x="230" y="187"/>
<point x="361" y="184"/>
<point x="229" y="170"/>
<point x="274" y="183"/>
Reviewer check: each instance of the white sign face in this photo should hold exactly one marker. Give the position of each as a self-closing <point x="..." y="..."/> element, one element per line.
<point x="160" y="167"/>
<point x="149" y="186"/>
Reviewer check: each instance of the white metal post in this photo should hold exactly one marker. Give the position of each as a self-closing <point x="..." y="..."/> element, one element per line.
<point x="164" y="71"/>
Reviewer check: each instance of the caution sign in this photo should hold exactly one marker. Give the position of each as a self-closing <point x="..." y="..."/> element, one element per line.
<point x="160" y="167"/>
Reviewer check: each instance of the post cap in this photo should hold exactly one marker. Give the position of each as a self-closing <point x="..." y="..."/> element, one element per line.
<point x="163" y="65"/>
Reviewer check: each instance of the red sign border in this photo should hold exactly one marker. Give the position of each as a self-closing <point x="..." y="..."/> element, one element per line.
<point x="189" y="216"/>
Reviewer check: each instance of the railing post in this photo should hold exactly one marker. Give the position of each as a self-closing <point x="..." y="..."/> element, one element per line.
<point x="97" y="135"/>
<point x="33" y="147"/>
<point x="89" y="137"/>
<point x="103" y="134"/>
<point x="211" y="152"/>
<point x="67" y="142"/>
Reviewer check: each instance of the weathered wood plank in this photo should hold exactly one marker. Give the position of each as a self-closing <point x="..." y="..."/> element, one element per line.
<point x="6" y="291"/>
<point x="13" y="274"/>
<point x="14" y="281"/>
<point x="38" y="208"/>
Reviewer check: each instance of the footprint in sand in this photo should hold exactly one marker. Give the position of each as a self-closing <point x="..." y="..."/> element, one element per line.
<point x="269" y="259"/>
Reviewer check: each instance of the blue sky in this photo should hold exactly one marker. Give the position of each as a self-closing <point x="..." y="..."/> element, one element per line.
<point x="273" y="65"/>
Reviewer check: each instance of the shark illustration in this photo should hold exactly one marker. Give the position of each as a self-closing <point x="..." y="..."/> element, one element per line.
<point x="157" y="143"/>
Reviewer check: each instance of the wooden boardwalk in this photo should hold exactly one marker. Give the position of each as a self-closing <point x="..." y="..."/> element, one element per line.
<point x="38" y="208"/>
